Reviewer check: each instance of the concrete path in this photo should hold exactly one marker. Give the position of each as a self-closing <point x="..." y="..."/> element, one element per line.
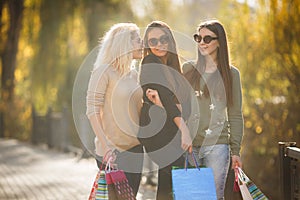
<point x="30" y="172"/>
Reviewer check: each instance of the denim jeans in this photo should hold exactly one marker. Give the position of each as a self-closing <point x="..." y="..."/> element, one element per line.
<point x="216" y="157"/>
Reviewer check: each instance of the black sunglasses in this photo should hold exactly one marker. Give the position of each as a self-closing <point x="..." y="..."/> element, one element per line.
<point x="206" y="39"/>
<point x="164" y="39"/>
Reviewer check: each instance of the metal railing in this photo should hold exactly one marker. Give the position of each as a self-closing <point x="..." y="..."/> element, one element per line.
<point x="289" y="156"/>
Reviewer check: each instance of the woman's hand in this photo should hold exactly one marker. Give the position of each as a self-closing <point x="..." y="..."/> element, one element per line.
<point x="109" y="159"/>
<point x="153" y="96"/>
<point x="186" y="141"/>
<point x="236" y="162"/>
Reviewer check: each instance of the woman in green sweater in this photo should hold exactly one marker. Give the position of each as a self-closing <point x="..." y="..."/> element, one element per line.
<point x="218" y="89"/>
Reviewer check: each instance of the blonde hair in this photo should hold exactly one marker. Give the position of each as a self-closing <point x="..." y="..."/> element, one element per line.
<point x="116" y="47"/>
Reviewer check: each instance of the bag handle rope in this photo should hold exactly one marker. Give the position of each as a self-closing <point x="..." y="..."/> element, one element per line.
<point x="187" y="160"/>
<point x="107" y="159"/>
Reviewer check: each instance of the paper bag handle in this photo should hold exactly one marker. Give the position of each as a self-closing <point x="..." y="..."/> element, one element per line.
<point x="187" y="160"/>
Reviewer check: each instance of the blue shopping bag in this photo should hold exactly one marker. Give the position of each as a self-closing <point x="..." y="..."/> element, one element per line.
<point x="193" y="183"/>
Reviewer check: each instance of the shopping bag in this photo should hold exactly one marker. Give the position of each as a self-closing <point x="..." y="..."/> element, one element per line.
<point x="117" y="182"/>
<point x="94" y="187"/>
<point x="111" y="183"/>
<point x="193" y="183"/>
<point x="247" y="188"/>
<point x="118" y="186"/>
<point x="99" y="189"/>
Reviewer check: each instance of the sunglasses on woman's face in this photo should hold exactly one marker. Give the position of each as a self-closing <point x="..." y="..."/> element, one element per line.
<point x="164" y="39"/>
<point x="206" y="39"/>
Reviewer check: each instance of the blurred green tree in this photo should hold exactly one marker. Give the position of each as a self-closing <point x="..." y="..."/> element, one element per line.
<point x="265" y="45"/>
<point x="54" y="38"/>
<point x="11" y="14"/>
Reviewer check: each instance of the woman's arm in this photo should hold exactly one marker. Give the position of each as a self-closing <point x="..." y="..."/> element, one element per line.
<point x="152" y="78"/>
<point x="236" y="120"/>
<point x="186" y="140"/>
<point x="94" y="102"/>
<point x="96" y="124"/>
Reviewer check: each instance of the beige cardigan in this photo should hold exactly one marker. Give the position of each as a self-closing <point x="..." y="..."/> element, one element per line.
<point x="113" y="108"/>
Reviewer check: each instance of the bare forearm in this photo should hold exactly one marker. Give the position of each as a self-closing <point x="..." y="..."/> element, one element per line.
<point x="186" y="140"/>
<point x="180" y="123"/>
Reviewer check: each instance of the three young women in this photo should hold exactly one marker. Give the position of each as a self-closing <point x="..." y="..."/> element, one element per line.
<point x="217" y="87"/>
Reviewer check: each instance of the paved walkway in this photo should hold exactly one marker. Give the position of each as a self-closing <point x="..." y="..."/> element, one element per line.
<point x="35" y="173"/>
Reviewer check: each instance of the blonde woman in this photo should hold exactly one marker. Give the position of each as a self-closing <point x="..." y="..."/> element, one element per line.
<point x="114" y="100"/>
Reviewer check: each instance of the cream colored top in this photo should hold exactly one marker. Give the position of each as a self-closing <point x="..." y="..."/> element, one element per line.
<point x="115" y="101"/>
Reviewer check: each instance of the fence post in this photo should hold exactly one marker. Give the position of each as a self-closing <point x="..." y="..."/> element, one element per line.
<point x="34" y="139"/>
<point x="49" y="137"/>
<point x="284" y="168"/>
<point x="65" y="129"/>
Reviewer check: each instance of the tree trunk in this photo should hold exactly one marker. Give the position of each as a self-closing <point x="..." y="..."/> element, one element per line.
<point x="9" y="54"/>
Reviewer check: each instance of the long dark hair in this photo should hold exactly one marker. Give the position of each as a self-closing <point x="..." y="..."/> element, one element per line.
<point x="172" y="56"/>
<point x="223" y="65"/>
<point x="177" y="84"/>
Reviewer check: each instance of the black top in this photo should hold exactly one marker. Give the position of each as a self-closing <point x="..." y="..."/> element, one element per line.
<point x="157" y="125"/>
<point x="155" y="75"/>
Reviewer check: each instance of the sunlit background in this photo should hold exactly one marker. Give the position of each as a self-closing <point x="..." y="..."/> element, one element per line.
<point x="41" y="53"/>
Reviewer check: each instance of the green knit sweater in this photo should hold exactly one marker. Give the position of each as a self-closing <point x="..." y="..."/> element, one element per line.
<point x="219" y="124"/>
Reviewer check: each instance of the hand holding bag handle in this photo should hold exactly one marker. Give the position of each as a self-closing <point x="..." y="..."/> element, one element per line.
<point x="187" y="160"/>
<point x="247" y="188"/>
<point x="118" y="186"/>
<point x="108" y="162"/>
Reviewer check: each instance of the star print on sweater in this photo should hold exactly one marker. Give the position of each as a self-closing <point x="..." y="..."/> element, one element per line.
<point x="198" y="93"/>
<point x="212" y="106"/>
<point x="208" y="132"/>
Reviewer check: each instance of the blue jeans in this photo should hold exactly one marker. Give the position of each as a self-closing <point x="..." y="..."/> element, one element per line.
<point x="215" y="157"/>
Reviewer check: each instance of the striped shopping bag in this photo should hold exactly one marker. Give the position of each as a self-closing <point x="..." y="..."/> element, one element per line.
<point x="247" y="188"/>
<point x="99" y="190"/>
<point x="102" y="188"/>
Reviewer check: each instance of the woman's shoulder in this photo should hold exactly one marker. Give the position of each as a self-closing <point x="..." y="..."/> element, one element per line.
<point x="188" y="66"/>
<point x="151" y="59"/>
<point x="102" y="69"/>
<point x="106" y="71"/>
<point x="234" y="70"/>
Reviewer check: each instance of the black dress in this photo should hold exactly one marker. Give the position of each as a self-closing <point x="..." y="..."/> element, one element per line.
<point x="158" y="133"/>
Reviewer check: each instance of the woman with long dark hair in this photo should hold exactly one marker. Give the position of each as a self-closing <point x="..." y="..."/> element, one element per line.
<point x="218" y="89"/>
<point x="163" y="131"/>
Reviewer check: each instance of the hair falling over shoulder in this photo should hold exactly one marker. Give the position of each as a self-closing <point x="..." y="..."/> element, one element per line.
<point x="115" y="48"/>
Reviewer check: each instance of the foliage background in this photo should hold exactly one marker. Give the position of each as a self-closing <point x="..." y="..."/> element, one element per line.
<point x="42" y="44"/>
